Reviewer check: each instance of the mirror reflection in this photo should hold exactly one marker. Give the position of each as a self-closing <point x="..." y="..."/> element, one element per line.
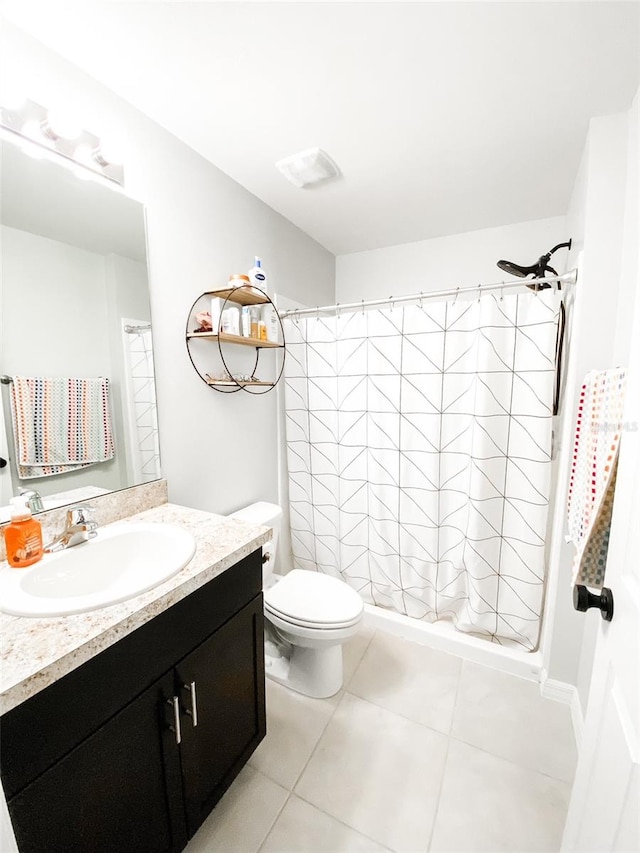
<point x="76" y="322"/>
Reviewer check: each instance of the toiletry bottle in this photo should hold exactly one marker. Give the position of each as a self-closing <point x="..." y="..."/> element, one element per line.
<point x="230" y="321"/>
<point x="216" y="313"/>
<point x="257" y="276"/>
<point x="246" y="321"/>
<point x="255" y="320"/>
<point x="23" y="536"/>
<point x="270" y="318"/>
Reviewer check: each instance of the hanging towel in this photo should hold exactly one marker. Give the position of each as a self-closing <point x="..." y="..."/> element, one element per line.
<point x="60" y="425"/>
<point x="593" y="472"/>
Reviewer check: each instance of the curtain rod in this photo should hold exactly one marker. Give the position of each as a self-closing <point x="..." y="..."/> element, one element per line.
<point x="565" y="278"/>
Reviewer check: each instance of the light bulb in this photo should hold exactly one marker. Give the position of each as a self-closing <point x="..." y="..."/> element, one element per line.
<point x="63" y="125"/>
<point x="109" y="153"/>
<point x="33" y="130"/>
<point x="84" y="154"/>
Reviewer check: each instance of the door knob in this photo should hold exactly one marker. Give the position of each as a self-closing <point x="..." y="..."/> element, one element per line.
<point x="583" y="600"/>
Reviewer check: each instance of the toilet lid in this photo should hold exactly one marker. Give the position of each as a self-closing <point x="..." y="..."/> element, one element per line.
<point x="313" y="598"/>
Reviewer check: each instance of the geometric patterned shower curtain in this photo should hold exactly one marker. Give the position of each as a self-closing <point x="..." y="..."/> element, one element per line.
<point x="418" y="444"/>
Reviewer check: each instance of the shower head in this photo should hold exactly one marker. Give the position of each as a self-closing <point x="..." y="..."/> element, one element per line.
<point x="516" y="269"/>
<point x="536" y="270"/>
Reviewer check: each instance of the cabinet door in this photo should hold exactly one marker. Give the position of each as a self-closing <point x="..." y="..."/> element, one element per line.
<point x="119" y="791"/>
<point x="228" y="673"/>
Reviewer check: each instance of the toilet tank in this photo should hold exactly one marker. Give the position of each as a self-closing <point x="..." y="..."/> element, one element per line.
<point x="267" y="515"/>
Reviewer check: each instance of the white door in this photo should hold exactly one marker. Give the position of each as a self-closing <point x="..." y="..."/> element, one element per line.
<point x="604" y="808"/>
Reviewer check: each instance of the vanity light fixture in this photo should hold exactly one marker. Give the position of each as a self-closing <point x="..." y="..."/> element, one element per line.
<point x="55" y="132"/>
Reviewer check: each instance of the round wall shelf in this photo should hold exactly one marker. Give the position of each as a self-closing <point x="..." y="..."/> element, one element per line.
<point x="227" y="381"/>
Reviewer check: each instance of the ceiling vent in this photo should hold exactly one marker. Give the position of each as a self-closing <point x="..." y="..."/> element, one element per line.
<point x="308" y="167"/>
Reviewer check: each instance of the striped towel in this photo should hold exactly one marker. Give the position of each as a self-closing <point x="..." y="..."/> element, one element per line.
<point x="593" y="472"/>
<point x="60" y="425"/>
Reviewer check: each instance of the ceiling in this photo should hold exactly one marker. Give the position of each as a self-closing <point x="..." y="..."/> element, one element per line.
<point x="443" y="117"/>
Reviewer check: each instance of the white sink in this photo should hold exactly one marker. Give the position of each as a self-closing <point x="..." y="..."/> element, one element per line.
<point x="121" y="562"/>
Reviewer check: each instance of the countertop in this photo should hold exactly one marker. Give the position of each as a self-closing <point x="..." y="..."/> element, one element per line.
<point x="37" y="652"/>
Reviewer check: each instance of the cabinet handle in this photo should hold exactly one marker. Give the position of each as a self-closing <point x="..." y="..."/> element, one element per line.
<point x="175" y="703"/>
<point x="193" y="713"/>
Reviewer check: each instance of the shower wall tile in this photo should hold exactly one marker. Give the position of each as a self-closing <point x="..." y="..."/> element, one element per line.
<point x="508" y="717"/>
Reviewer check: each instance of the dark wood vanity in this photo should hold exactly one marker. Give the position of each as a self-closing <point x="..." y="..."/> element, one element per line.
<point x="132" y="750"/>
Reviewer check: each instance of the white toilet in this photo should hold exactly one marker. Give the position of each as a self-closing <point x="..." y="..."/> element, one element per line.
<point x="308" y="617"/>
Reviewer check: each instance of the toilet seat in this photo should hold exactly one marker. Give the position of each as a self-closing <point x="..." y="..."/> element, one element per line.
<point x="316" y="626"/>
<point x="313" y="600"/>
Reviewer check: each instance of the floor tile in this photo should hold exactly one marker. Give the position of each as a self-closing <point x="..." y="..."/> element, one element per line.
<point x="508" y="717"/>
<point x="302" y="828"/>
<point x="377" y="772"/>
<point x="409" y="679"/>
<point x="353" y="651"/>
<point x="489" y="804"/>
<point x="227" y="829"/>
<point x="294" y="726"/>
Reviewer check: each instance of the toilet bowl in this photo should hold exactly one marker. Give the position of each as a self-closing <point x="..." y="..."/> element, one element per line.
<point x="308" y="616"/>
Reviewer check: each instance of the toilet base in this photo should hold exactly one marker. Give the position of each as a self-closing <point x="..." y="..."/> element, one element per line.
<point x="312" y="672"/>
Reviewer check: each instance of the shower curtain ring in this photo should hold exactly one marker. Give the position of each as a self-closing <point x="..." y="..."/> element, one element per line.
<point x="420" y="300"/>
<point x="363" y="307"/>
<point x="455" y="298"/>
<point x="391" y="303"/>
<point x="501" y="291"/>
<point x="317" y="313"/>
<point x="479" y="292"/>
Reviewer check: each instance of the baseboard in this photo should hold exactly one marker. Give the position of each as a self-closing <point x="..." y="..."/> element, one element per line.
<point x="568" y="694"/>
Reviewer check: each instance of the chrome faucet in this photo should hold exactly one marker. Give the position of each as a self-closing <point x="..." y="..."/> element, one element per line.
<point x="33" y="499"/>
<point x="79" y="527"/>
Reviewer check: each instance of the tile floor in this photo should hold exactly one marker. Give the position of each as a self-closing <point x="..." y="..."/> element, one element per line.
<point x="419" y="752"/>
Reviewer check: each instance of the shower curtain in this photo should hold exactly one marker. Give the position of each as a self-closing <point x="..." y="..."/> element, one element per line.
<point x="419" y="455"/>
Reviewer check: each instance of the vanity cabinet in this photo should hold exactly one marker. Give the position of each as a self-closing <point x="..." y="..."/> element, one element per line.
<point x="132" y="750"/>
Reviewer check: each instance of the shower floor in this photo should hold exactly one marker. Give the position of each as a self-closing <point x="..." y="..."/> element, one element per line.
<point x="420" y="751"/>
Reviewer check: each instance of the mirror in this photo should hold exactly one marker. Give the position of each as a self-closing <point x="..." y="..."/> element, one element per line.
<point x="75" y="303"/>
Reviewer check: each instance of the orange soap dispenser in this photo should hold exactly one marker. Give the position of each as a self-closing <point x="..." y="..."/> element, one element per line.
<point x="23" y="536"/>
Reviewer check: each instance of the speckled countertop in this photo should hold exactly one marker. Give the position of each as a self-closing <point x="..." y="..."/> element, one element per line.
<point x="37" y="652"/>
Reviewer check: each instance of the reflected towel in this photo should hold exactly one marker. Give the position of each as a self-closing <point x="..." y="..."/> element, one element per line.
<point x="593" y="472"/>
<point x="60" y="425"/>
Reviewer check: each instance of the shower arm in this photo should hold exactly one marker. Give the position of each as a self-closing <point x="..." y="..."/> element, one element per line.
<point x="543" y="260"/>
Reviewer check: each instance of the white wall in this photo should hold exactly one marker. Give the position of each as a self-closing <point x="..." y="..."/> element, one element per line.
<point x="218" y="451"/>
<point x="461" y="260"/>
